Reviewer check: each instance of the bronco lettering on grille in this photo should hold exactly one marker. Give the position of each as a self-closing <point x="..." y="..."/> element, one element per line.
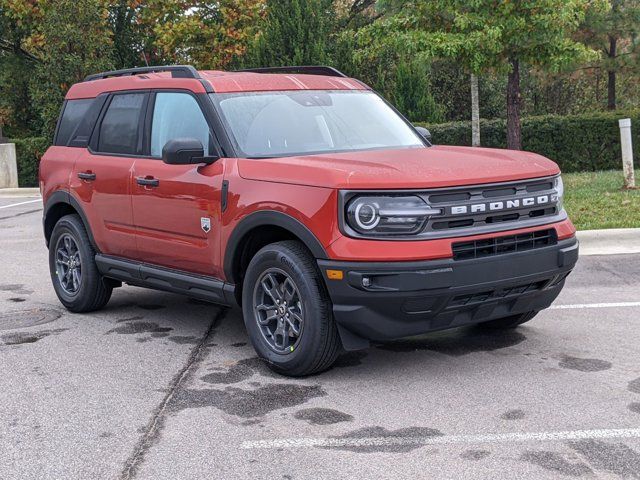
<point x="502" y="205"/>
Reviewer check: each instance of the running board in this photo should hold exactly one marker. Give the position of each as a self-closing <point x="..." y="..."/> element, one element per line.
<point x="150" y="276"/>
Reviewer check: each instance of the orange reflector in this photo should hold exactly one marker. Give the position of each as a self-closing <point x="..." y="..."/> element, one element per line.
<point x="335" y="274"/>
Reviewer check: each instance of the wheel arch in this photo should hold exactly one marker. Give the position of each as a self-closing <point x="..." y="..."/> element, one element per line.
<point x="58" y="205"/>
<point x="267" y="226"/>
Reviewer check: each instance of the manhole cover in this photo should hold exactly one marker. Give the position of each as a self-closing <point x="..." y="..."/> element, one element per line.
<point x="27" y="318"/>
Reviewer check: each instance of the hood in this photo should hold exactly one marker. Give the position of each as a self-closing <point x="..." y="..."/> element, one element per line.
<point x="438" y="166"/>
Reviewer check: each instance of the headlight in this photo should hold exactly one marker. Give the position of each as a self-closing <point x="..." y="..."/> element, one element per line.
<point x="388" y="215"/>
<point x="560" y="189"/>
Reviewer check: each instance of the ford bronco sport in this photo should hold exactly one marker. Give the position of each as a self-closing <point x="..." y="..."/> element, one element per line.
<point x="302" y="196"/>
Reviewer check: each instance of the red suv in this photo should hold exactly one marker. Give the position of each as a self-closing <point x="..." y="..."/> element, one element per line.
<point x="304" y="197"/>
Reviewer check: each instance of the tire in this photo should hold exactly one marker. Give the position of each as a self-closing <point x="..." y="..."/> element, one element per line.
<point x="88" y="291"/>
<point x="508" y="322"/>
<point x="317" y="344"/>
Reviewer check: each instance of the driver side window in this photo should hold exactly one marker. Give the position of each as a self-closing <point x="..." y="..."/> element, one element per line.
<point x="177" y="115"/>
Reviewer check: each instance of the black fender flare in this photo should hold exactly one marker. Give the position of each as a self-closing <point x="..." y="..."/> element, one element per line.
<point x="64" y="197"/>
<point x="268" y="218"/>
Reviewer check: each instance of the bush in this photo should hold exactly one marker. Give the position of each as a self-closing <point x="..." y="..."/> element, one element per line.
<point x="29" y="151"/>
<point x="578" y="143"/>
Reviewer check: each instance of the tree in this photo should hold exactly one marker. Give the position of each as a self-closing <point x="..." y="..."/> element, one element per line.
<point x="71" y="41"/>
<point x="411" y="95"/>
<point x="487" y="36"/>
<point x="615" y="31"/>
<point x="295" y="32"/>
<point x="204" y="33"/>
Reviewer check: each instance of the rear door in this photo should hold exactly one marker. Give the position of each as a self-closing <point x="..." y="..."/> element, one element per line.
<point x="176" y="208"/>
<point x="101" y="180"/>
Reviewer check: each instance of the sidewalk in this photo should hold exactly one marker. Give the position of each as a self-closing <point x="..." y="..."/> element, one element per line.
<point x="19" y="192"/>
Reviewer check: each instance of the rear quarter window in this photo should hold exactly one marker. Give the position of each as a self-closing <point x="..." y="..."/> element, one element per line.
<point x="72" y="114"/>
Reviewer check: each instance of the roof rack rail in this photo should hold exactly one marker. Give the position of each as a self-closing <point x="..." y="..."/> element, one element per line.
<point x="177" y="71"/>
<point x="303" y="69"/>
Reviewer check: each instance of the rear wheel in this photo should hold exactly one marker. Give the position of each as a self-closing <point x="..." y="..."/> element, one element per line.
<point x="508" y="322"/>
<point x="287" y="310"/>
<point x="74" y="274"/>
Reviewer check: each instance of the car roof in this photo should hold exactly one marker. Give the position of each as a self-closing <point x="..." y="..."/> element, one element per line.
<point x="214" y="81"/>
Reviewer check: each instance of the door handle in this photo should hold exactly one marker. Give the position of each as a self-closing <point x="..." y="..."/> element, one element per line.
<point x="87" y="175"/>
<point x="147" y="181"/>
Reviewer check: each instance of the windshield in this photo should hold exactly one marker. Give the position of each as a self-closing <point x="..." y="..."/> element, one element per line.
<point x="273" y="124"/>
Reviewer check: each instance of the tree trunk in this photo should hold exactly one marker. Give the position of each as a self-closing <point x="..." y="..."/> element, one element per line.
<point x="475" y="112"/>
<point x="514" y="139"/>
<point x="611" y="81"/>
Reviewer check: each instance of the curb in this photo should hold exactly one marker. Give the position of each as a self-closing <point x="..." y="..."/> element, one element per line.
<point x="19" y="192"/>
<point x="613" y="241"/>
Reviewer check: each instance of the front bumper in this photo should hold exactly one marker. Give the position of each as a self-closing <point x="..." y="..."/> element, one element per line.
<point x="411" y="298"/>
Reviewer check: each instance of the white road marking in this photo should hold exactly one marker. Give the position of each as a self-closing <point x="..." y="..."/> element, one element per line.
<point x="443" y="440"/>
<point x="21" y="203"/>
<point x="595" y="305"/>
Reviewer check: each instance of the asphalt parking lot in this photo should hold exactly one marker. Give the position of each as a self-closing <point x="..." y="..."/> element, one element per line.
<point x="157" y="386"/>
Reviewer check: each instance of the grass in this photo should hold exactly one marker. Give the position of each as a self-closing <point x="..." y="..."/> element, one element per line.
<point x="596" y="200"/>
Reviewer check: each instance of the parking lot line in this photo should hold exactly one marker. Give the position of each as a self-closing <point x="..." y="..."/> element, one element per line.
<point x="595" y="305"/>
<point x="21" y="203"/>
<point x="443" y="440"/>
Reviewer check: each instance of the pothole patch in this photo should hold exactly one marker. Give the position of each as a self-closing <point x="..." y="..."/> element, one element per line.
<point x="27" y="318"/>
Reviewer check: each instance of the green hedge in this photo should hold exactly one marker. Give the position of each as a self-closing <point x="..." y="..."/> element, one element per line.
<point x="29" y="151"/>
<point x="578" y="143"/>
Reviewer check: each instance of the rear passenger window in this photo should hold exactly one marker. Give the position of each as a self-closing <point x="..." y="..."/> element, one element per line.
<point x="177" y="115"/>
<point x="74" y="111"/>
<point x="121" y="124"/>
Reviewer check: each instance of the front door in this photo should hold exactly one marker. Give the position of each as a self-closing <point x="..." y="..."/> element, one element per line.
<point x="176" y="208"/>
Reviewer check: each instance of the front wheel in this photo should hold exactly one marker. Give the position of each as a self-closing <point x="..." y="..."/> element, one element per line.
<point x="508" y="322"/>
<point x="287" y="311"/>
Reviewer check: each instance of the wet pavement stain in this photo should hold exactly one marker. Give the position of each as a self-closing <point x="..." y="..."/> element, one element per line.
<point x="458" y="342"/>
<point x="151" y="306"/>
<point x="247" y="403"/>
<point x="322" y="416"/>
<point x="350" y="359"/>
<point x="512" y="415"/>
<point x="130" y="319"/>
<point x="21" y="338"/>
<point x="132" y="328"/>
<point x="584" y="364"/>
<point x="184" y="340"/>
<point x="634" y="407"/>
<point x="555" y="462"/>
<point x="475" y="455"/>
<point x="238" y="372"/>
<point x="615" y="458"/>
<point x="17" y="288"/>
<point x="401" y="434"/>
<point x="634" y="386"/>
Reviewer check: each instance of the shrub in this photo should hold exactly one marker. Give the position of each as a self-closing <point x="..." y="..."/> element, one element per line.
<point x="577" y="143"/>
<point x="28" y="152"/>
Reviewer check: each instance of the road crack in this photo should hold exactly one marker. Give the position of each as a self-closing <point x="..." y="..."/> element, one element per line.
<point x="156" y="424"/>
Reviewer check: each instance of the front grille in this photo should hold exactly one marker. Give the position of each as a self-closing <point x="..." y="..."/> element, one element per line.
<point x="507" y="244"/>
<point x="488" y="205"/>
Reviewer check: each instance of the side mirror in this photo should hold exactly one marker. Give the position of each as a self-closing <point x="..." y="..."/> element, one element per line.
<point x="185" y="151"/>
<point x="424" y="132"/>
